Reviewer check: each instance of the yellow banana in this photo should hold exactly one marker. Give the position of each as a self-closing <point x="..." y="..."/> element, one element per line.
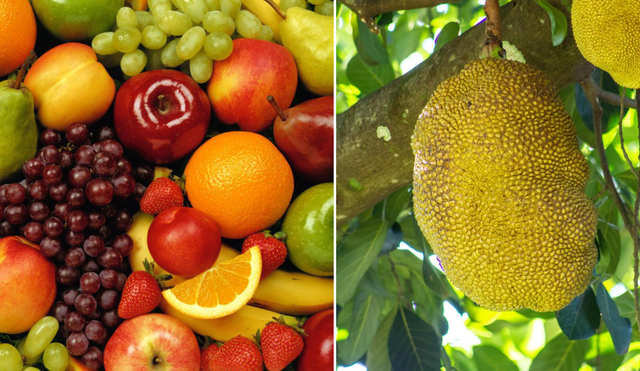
<point x="246" y="322"/>
<point x="267" y="15"/>
<point x="293" y="293"/>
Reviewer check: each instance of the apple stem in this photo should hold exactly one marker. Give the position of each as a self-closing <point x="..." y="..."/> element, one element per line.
<point x="276" y="8"/>
<point x="23" y="69"/>
<point x="157" y="360"/>
<point x="163" y="104"/>
<point x="283" y="115"/>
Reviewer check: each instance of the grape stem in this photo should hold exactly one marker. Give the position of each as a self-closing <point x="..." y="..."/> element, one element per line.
<point x="23" y="69"/>
<point x="283" y="115"/>
<point x="276" y="8"/>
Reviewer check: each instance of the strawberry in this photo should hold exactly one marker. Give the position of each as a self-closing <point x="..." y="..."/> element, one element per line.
<point x="281" y="344"/>
<point x="237" y="354"/>
<point x="272" y="249"/>
<point x="161" y="194"/>
<point x="206" y="355"/>
<point x="141" y="293"/>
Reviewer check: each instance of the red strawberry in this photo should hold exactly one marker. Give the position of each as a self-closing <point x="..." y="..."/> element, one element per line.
<point x="141" y="293"/>
<point x="272" y="249"/>
<point x="281" y="344"/>
<point x="161" y="194"/>
<point x="206" y="355"/>
<point x="237" y="354"/>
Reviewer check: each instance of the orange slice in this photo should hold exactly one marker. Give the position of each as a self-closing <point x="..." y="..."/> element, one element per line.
<point x="219" y="291"/>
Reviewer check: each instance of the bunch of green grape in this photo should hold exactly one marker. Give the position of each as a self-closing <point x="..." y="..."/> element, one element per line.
<point x="324" y="7"/>
<point x="187" y="33"/>
<point x="34" y="347"/>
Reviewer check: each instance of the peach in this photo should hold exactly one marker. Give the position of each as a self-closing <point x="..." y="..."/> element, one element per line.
<point x="27" y="285"/>
<point x="70" y="85"/>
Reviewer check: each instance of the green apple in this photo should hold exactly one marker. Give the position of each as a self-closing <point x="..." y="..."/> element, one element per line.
<point x="309" y="228"/>
<point x="77" y="20"/>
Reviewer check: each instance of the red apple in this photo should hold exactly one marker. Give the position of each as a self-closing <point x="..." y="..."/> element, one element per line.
<point x="317" y="354"/>
<point x="304" y="134"/>
<point x="27" y="285"/>
<point x="240" y="84"/>
<point x="184" y="241"/>
<point x="161" y="115"/>
<point x="152" y="342"/>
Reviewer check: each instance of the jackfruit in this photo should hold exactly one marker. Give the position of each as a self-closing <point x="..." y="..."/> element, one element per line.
<point x="499" y="188"/>
<point x="607" y="34"/>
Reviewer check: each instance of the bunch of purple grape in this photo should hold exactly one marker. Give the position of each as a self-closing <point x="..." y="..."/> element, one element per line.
<point x="77" y="202"/>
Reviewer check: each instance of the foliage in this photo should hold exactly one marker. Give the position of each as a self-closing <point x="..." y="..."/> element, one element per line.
<point x="397" y="310"/>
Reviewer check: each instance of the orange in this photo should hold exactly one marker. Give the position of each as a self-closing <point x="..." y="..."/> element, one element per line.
<point x="18" y="30"/>
<point x="241" y="180"/>
<point x="220" y="291"/>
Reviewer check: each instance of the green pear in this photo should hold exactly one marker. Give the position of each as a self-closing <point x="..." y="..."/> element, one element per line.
<point x="309" y="37"/>
<point x="18" y="133"/>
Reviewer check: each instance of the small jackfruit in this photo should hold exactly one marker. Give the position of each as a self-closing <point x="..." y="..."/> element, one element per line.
<point x="607" y="34"/>
<point x="499" y="188"/>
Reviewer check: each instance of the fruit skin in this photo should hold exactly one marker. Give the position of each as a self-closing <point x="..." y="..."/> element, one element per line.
<point x="236" y="354"/>
<point x="19" y="134"/>
<point x="317" y="354"/>
<point x="267" y="15"/>
<point x="184" y="241"/>
<point x="77" y="20"/>
<point x="18" y="30"/>
<point x="295" y="293"/>
<point x="241" y="180"/>
<point x="306" y="138"/>
<point x="309" y="228"/>
<point x="510" y="192"/>
<point x="272" y="249"/>
<point x="160" y="195"/>
<point x="76" y="365"/>
<point x="151" y="121"/>
<point x="27" y="285"/>
<point x="280" y="345"/>
<point x="70" y="85"/>
<point x="139" y="341"/>
<point x="240" y="84"/>
<point x="309" y="37"/>
<point x="140" y="295"/>
<point x="607" y="38"/>
<point x="206" y="354"/>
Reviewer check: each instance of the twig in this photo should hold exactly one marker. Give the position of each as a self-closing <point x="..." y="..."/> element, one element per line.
<point x="395" y="274"/>
<point x="624" y="151"/>
<point x="493" y="30"/>
<point x="598" y="360"/>
<point x="614" y="99"/>
<point x="602" y="191"/>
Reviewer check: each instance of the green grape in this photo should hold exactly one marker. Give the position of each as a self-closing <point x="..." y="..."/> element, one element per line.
<point x="213" y="4"/>
<point x="184" y="68"/>
<point x="231" y="7"/>
<point x="153" y="60"/>
<point x="56" y="357"/>
<point x="102" y="44"/>
<point x="153" y="3"/>
<point x="286" y="4"/>
<point x="266" y="33"/>
<point x="144" y="19"/>
<point x="153" y="38"/>
<point x="126" y="17"/>
<point x="111" y="60"/>
<point x="218" y="45"/>
<point x="133" y="63"/>
<point x="247" y="24"/>
<point x="20" y="347"/>
<point x="195" y="9"/>
<point x="315" y="2"/>
<point x="126" y="39"/>
<point x="191" y="43"/>
<point x="201" y="67"/>
<point x="326" y="8"/>
<point x="218" y="21"/>
<point x="40" y="335"/>
<point x="30" y="368"/>
<point x="159" y="9"/>
<point x="174" y="23"/>
<point x="10" y="359"/>
<point x="169" y="57"/>
<point x="175" y="4"/>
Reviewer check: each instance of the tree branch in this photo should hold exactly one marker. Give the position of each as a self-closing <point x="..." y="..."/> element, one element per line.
<point x="493" y="30"/>
<point x="381" y="167"/>
<point x="614" y="99"/>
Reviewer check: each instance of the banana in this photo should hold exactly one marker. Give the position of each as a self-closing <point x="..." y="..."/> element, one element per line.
<point x="246" y="322"/>
<point x="293" y="293"/>
<point x="267" y="15"/>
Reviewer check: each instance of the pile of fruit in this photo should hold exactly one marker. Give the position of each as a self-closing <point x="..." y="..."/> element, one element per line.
<point x="148" y="221"/>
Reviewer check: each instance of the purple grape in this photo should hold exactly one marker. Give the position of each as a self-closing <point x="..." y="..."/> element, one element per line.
<point x="52" y="174"/>
<point x="90" y="282"/>
<point x="108" y="299"/>
<point x="105" y="233"/>
<point x="112" y="146"/>
<point x="69" y="296"/>
<point x="93" y="357"/>
<point x="85" y="304"/>
<point x="75" y="257"/>
<point x="77" y="220"/>
<point x="93" y="246"/>
<point x="50" y="137"/>
<point x="84" y="155"/>
<point x="77" y="133"/>
<point x="122" y="221"/>
<point x="39" y="190"/>
<point x="79" y="176"/>
<point x="59" y="311"/>
<point x="123" y="244"/>
<point x="77" y="344"/>
<point x="50" y="247"/>
<point x="123" y="184"/>
<point x="99" y="192"/>
<point x="66" y="159"/>
<point x="110" y="318"/>
<point x="7" y="229"/>
<point x="108" y="278"/>
<point x="3" y="194"/>
<point x="50" y="155"/>
<point x="61" y="211"/>
<point x="91" y="266"/>
<point x="16" y="193"/>
<point x="32" y="169"/>
<point x="16" y="214"/>
<point x="94" y="330"/>
<point x="52" y="227"/>
<point x="74" y="321"/>
<point x="76" y="198"/>
<point x="138" y="192"/>
<point x="125" y="166"/>
<point x="74" y="238"/>
<point x="144" y="174"/>
<point x="33" y="232"/>
<point x="59" y="192"/>
<point x="105" y="133"/>
<point x="122" y="279"/>
<point x="104" y="164"/>
<point x="38" y="211"/>
<point x="96" y="220"/>
<point x="67" y="276"/>
<point x="110" y="259"/>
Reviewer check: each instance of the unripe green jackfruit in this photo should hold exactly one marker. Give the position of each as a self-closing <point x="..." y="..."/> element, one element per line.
<point x="608" y="36"/>
<point x="499" y="188"/>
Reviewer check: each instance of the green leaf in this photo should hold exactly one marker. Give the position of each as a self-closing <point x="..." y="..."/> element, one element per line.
<point x="368" y="78"/>
<point x="580" y="319"/>
<point x="413" y="343"/>
<point x="626" y="306"/>
<point x="378" y="354"/>
<point x="356" y="254"/>
<point x="608" y="216"/>
<point x="412" y="236"/>
<point x="462" y="363"/>
<point x="365" y="321"/>
<point x="449" y="32"/>
<point x="561" y="354"/>
<point x="558" y="22"/>
<point x="489" y="358"/>
<point x="435" y="279"/>
<point x="405" y="38"/>
<point x="619" y="327"/>
<point x="369" y="45"/>
<point x="396" y="203"/>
